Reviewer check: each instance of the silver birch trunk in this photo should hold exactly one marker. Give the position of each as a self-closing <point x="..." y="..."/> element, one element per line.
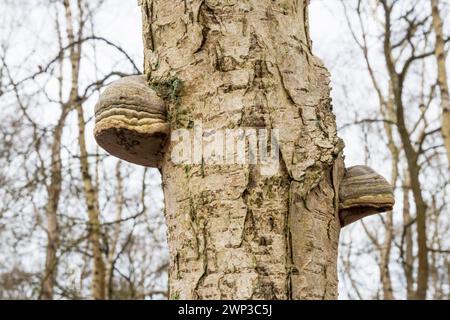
<point x="233" y="232"/>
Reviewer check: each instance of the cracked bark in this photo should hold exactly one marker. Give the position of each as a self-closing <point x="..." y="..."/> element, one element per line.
<point x="234" y="233"/>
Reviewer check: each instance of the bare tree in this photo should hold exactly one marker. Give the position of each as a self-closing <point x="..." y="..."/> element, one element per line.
<point x="410" y="128"/>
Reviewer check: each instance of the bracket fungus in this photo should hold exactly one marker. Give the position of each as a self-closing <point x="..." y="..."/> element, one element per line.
<point x="131" y="124"/>
<point x="130" y="121"/>
<point x="362" y="193"/>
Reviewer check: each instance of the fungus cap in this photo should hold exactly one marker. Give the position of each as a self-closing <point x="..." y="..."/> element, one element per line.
<point x="130" y="122"/>
<point x="362" y="193"/>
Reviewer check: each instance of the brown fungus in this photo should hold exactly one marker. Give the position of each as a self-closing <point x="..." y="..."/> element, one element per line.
<point x="130" y="122"/>
<point x="362" y="193"/>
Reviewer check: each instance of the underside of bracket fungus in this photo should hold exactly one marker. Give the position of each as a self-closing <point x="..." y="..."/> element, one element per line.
<point x="362" y="193"/>
<point x="130" y="122"/>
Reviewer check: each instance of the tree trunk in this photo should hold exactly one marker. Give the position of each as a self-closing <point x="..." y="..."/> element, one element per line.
<point x="442" y="75"/>
<point x="91" y="197"/>
<point x="54" y="190"/>
<point x="235" y="232"/>
<point x="111" y="259"/>
<point x="90" y="192"/>
<point x="407" y="251"/>
<point x="388" y="293"/>
<point x="397" y="81"/>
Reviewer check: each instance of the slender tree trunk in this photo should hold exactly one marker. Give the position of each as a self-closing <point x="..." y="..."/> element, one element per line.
<point x="397" y="83"/>
<point x="442" y="74"/>
<point x="387" y="108"/>
<point x="90" y="192"/>
<point x="408" y="257"/>
<point x="54" y="190"/>
<point x="421" y="207"/>
<point x="235" y="233"/>
<point x="437" y="281"/>
<point x="388" y="293"/>
<point x="116" y="233"/>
